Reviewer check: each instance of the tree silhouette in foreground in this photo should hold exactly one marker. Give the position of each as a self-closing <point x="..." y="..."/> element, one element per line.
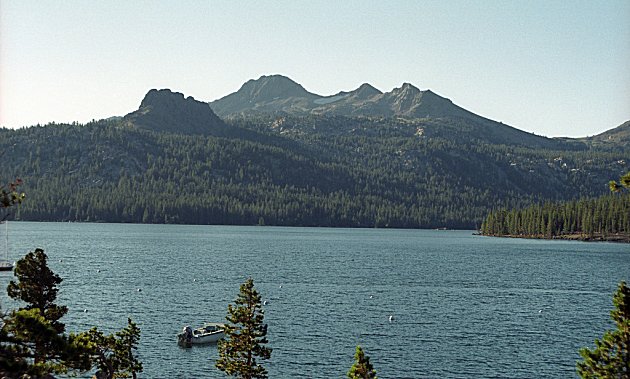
<point x="9" y="197"/>
<point x="32" y="339"/>
<point x="362" y="368"/>
<point x="33" y="342"/>
<point x="611" y="356"/>
<point x="245" y="336"/>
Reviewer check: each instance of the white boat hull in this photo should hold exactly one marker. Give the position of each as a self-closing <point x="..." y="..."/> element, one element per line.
<point x="210" y="333"/>
<point x="207" y="338"/>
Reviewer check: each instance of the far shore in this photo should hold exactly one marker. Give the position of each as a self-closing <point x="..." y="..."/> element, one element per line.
<point x="597" y="237"/>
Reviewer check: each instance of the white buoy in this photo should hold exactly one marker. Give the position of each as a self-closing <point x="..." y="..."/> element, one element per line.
<point x="265" y="302"/>
<point x="194" y="280"/>
<point x="540" y="311"/>
<point x="391" y="318"/>
<point x="280" y="285"/>
<point x="99" y="270"/>
<point x="371" y="297"/>
<point x="139" y="290"/>
<point x="85" y="311"/>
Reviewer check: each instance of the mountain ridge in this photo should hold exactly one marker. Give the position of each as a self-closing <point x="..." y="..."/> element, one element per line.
<point x="619" y="135"/>
<point x="280" y="95"/>
<point x="167" y="111"/>
<point x="174" y="161"/>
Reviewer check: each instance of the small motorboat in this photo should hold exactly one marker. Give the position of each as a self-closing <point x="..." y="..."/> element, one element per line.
<point x="6" y="266"/>
<point x="209" y="333"/>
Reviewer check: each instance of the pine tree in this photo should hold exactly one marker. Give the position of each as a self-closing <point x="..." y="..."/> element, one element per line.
<point x="32" y="337"/>
<point x="126" y="343"/>
<point x="362" y="368"/>
<point x="37" y="287"/>
<point x="624" y="182"/>
<point x="245" y="336"/>
<point x="26" y="331"/>
<point x="113" y="354"/>
<point x="611" y="356"/>
<point x="9" y="197"/>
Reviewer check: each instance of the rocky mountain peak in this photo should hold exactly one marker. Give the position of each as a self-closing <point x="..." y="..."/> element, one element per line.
<point x="405" y="99"/>
<point x="365" y="91"/>
<point x="406" y="90"/>
<point x="409" y="87"/>
<point x="271" y="87"/>
<point x="166" y="99"/>
<point x="165" y="110"/>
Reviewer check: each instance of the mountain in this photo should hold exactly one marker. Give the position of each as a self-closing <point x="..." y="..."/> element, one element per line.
<point x="407" y="101"/>
<point x="281" y="96"/>
<point x="174" y="161"/>
<point x="167" y="111"/>
<point x="268" y="94"/>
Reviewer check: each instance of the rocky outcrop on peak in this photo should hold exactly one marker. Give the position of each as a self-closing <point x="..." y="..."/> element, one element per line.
<point x="167" y="111"/>
<point x="409" y="101"/>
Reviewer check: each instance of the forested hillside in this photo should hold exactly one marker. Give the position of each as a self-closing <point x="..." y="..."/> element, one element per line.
<point x="307" y="170"/>
<point x="105" y="172"/>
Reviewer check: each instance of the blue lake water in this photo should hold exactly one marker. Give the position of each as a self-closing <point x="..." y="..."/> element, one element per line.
<point x="463" y="306"/>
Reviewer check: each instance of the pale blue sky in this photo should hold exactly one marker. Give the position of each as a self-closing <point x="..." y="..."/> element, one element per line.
<point x="555" y="68"/>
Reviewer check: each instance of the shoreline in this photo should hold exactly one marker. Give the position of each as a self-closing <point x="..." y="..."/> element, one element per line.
<point x="618" y="238"/>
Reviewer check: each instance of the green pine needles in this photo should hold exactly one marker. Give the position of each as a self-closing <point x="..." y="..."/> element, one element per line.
<point x="32" y="339"/>
<point x="362" y="368"/>
<point x="37" y="286"/>
<point x="113" y="354"/>
<point x="245" y="336"/>
<point x="611" y="356"/>
<point x="9" y="197"/>
<point x="624" y="182"/>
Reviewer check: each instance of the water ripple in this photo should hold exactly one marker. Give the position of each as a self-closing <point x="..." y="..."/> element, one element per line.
<point x="462" y="306"/>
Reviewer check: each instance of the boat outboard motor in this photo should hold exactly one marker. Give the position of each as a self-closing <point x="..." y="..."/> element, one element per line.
<point x="188" y="334"/>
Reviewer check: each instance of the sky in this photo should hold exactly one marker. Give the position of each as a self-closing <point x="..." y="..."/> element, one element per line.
<point x="553" y="68"/>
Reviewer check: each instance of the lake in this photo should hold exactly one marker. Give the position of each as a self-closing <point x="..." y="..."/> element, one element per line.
<point x="463" y="306"/>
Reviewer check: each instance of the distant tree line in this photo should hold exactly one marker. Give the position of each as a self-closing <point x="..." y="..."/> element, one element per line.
<point x="605" y="217"/>
<point x="590" y="218"/>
